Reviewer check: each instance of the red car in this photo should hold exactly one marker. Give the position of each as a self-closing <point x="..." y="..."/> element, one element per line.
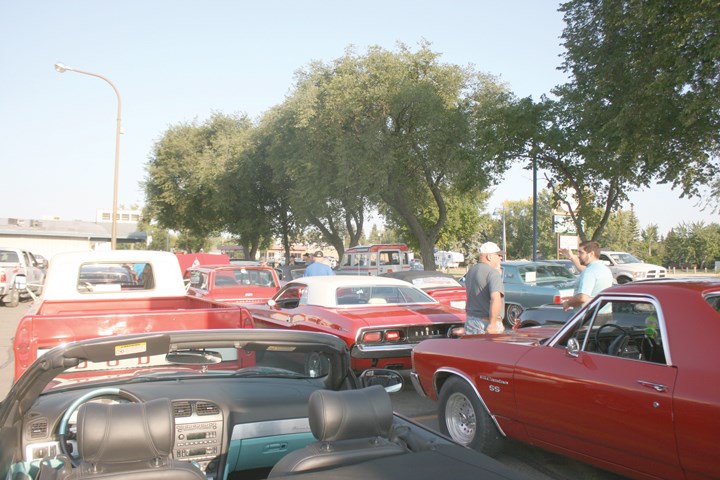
<point x="629" y="384"/>
<point x="233" y="283"/>
<point x="380" y="319"/>
<point x="441" y="286"/>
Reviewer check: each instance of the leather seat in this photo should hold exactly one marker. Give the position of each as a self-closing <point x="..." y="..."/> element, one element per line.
<point x="351" y="426"/>
<point x="129" y="441"/>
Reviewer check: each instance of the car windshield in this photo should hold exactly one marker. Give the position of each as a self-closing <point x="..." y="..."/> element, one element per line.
<point x="381" y="295"/>
<point x="621" y="258"/>
<point x="540" y="273"/>
<point x="279" y="361"/>
<point x="8" y="256"/>
<point x="229" y="278"/>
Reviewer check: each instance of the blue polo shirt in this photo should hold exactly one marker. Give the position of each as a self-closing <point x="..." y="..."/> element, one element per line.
<point x="595" y="278"/>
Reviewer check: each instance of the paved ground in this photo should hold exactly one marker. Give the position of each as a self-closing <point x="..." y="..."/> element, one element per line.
<point x="9" y="318"/>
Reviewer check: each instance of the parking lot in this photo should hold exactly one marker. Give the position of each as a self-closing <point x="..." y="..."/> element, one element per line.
<point x="533" y="462"/>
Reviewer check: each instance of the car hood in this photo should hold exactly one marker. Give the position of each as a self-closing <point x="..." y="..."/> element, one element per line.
<point x="522" y="336"/>
<point x="638" y="267"/>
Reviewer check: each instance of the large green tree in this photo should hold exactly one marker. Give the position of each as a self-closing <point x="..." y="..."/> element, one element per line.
<point x="406" y="129"/>
<point x="184" y="180"/>
<point x="642" y="104"/>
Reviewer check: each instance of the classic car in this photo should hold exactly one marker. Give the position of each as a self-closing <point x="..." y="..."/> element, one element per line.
<point x="550" y="314"/>
<point x="233" y="283"/>
<point x="529" y="284"/>
<point x="567" y="263"/>
<point x="628" y="384"/>
<point x="441" y="286"/>
<point x="146" y="406"/>
<point x="380" y="319"/>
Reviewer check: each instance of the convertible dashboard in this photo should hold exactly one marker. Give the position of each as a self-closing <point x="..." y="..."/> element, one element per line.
<point x="270" y="415"/>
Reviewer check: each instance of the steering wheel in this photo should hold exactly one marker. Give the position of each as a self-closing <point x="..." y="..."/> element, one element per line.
<point x="618" y="343"/>
<point x="65" y="421"/>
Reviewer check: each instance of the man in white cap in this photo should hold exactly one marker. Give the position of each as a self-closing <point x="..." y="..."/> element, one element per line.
<point x="485" y="293"/>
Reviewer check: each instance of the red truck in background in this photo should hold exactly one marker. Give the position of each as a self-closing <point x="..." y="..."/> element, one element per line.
<point x="187" y="260"/>
<point x="97" y="294"/>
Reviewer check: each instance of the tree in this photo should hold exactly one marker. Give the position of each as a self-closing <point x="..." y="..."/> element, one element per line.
<point x="643" y="104"/>
<point x="408" y="130"/>
<point x="186" y="171"/>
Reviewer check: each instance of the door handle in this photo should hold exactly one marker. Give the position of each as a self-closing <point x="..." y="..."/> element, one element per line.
<point x="658" y="387"/>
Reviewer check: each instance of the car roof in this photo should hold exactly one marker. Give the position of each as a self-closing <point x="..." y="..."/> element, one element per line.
<point x="408" y="275"/>
<point x="230" y="267"/>
<point x="347" y="280"/>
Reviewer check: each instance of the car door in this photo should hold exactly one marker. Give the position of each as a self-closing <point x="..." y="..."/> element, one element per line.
<point x="33" y="271"/>
<point x="611" y="407"/>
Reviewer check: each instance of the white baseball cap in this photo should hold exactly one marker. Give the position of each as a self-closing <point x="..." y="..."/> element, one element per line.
<point x="490" y="247"/>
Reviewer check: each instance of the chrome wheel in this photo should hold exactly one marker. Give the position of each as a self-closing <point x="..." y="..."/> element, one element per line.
<point x="512" y="312"/>
<point x="460" y="418"/>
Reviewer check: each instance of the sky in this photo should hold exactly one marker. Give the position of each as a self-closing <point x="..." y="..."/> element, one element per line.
<point x="179" y="61"/>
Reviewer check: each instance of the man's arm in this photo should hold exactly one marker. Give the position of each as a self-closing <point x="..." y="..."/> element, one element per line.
<point x="495" y="321"/>
<point x="567" y="253"/>
<point x="576" y="301"/>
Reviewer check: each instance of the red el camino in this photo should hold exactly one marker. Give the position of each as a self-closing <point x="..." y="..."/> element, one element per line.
<point x="233" y="283"/>
<point x="380" y="319"/>
<point x="629" y="384"/>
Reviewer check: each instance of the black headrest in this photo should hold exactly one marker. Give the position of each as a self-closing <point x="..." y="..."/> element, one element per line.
<point x="347" y="414"/>
<point x="125" y="432"/>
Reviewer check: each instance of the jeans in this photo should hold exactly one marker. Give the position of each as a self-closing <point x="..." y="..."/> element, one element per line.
<point x="475" y="325"/>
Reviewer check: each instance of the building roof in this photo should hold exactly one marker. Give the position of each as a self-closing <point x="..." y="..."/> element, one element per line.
<point x="97" y="231"/>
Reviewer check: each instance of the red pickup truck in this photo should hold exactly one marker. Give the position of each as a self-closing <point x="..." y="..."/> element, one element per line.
<point x="97" y="294"/>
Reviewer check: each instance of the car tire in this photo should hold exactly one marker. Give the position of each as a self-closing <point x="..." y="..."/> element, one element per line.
<point x="622" y="280"/>
<point x="463" y="418"/>
<point x="12" y="299"/>
<point x="512" y="312"/>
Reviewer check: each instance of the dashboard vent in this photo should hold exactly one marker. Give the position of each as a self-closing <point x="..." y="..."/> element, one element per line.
<point x="182" y="409"/>
<point x="204" y="408"/>
<point x="39" y="429"/>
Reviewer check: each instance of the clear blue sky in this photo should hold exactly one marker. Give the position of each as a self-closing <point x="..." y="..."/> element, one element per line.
<point x="176" y="61"/>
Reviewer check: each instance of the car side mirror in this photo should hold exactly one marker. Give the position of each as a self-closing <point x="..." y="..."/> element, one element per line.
<point x="271" y="303"/>
<point x="573" y="347"/>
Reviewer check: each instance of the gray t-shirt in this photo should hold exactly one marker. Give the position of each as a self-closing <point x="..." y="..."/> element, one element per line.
<point x="480" y="281"/>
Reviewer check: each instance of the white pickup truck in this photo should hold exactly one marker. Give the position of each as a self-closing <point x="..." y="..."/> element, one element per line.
<point x="19" y="272"/>
<point x="626" y="267"/>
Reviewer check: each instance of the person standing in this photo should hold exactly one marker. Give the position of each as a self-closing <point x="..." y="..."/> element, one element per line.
<point x="318" y="267"/>
<point x="485" y="293"/>
<point x="595" y="276"/>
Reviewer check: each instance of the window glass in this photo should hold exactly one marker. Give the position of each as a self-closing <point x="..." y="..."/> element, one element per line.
<point x="114" y="277"/>
<point x="627" y="329"/>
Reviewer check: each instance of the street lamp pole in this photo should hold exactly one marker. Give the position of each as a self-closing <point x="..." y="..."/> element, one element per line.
<point x="60" y="68"/>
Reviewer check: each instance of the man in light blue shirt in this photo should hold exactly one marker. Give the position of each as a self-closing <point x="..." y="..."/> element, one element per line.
<point x="595" y="275"/>
<point x="318" y="267"/>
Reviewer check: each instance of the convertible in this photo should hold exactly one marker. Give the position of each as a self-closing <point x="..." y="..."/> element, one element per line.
<point x="380" y="319"/>
<point x="628" y="384"/>
<point x="217" y="404"/>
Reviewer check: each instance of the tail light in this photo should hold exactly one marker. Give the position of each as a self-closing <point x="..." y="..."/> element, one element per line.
<point x="392" y="335"/>
<point x="3" y="276"/>
<point x="557" y="299"/>
<point x="372" y="337"/>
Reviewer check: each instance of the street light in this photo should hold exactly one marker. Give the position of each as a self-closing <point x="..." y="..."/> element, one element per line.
<point x="60" y="68"/>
